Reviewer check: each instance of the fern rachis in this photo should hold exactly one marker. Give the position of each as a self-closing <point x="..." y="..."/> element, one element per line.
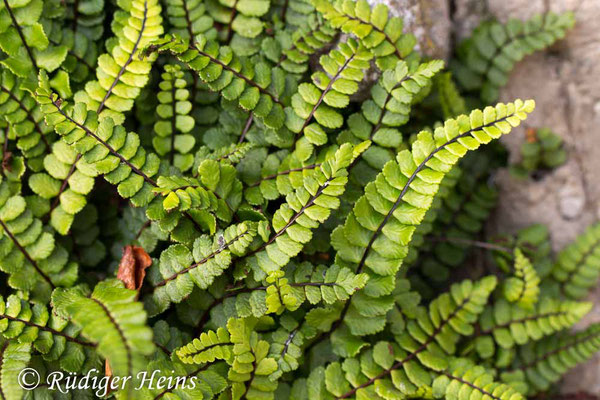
<point x="258" y="199"/>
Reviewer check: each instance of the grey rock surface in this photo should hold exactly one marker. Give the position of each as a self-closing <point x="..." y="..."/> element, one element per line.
<point x="565" y="82"/>
<point x="428" y="20"/>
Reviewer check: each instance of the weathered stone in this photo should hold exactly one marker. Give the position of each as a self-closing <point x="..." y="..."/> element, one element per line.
<point x="564" y="82"/>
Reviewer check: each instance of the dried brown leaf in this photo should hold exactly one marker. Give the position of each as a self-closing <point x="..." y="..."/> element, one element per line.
<point x="132" y="268"/>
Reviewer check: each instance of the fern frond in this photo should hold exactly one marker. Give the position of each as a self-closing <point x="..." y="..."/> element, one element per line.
<point x="29" y="253"/>
<point x="111" y="150"/>
<point x="460" y="218"/>
<point x="451" y="101"/>
<point x="534" y="242"/>
<point x="405" y="368"/>
<point x="173" y="139"/>
<point x="577" y="268"/>
<point x="122" y="73"/>
<point x="303" y="211"/>
<point x="232" y="154"/>
<point x="206" y="381"/>
<point x="25" y="122"/>
<point x="318" y="284"/>
<point x="23" y="38"/>
<point x="14" y="357"/>
<point x="293" y="54"/>
<point x="134" y="228"/>
<point x="452" y="179"/>
<point x="240" y="16"/>
<point x="210" y="346"/>
<point x="55" y="338"/>
<point x="111" y="318"/>
<point x="255" y="87"/>
<point x="281" y="174"/>
<point x="424" y="167"/>
<point x="543" y="363"/>
<point x="189" y="18"/>
<point x="216" y="189"/>
<point x="287" y="343"/>
<point x="240" y="346"/>
<point x="523" y="287"/>
<point x="344" y="69"/>
<point x="489" y="55"/>
<point x="120" y="78"/>
<point x="389" y="108"/>
<point x="449" y="316"/>
<point x="87" y="17"/>
<point x="463" y="380"/>
<point x="374" y="28"/>
<point x="508" y="325"/>
<point x="65" y="182"/>
<point x="377" y="232"/>
<point x="180" y="269"/>
<point x="82" y="53"/>
<point x="85" y="240"/>
<point x="251" y="366"/>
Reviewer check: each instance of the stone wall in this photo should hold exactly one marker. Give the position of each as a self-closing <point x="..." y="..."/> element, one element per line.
<point x="565" y="82"/>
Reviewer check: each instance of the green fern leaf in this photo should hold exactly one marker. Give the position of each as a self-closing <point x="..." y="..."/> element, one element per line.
<point x="111" y="317"/>
<point x="578" y="267"/>
<point x="173" y="139"/>
<point x="490" y="54"/>
<point x="522" y="288"/>
<point x="508" y="325"/>
<point x="375" y="29"/>
<point x="543" y="363"/>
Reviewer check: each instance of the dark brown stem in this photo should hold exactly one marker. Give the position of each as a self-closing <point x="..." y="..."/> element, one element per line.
<point x="146" y="225"/>
<point x="29" y="116"/>
<point x="412" y="355"/>
<point x="327" y="89"/>
<point x="284" y="10"/>
<point x="236" y="73"/>
<point x="229" y="25"/>
<point x="558" y="350"/>
<point x="48" y="329"/>
<point x="120" y="332"/>
<point x="105" y="144"/>
<point x="203" y="261"/>
<point x="246" y="127"/>
<point x="469" y="242"/>
<point x="20" y="33"/>
<point x="309" y="203"/>
<point x="75" y="15"/>
<point x="64" y="184"/>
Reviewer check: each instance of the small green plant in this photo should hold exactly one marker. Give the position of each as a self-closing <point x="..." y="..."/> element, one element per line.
<point x="191" y="209"/>
<point x="542" y="150"/>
